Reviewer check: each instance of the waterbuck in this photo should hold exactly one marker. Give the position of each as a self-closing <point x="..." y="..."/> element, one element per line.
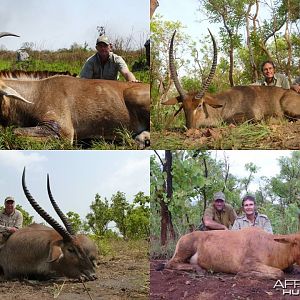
<point x="75" y="109"/>
<point x="235" y="105"/>
<point x="41" y="252"/>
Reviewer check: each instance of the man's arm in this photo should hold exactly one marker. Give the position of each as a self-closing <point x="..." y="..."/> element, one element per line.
<point x="19" y="221"/>
<point x="87" y="71"/>
<point x="267" y="226"/>
<point x="211" y="224"/>
<point x="128" y="75"/>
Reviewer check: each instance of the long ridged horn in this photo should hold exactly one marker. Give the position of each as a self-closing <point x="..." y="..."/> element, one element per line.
<point x="2" y="34"/>
<point x="212" y="70"/>
<point x="173" y="69"/>
<point x="58" y="210"/>
<point x="63" y="232"/>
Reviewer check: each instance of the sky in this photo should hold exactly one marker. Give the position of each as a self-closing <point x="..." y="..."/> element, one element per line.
<point x="75" y="177"/>
<point x="191" y="16"/>
<point x="54" y="24"/>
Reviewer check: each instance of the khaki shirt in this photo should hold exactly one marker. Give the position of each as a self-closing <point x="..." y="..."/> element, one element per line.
<point x="280" y="80"/>
<point x="225" y="217"/>
<point x="13" y="220"/>
<point x="93" y="69"/>
<point x="260" y="221"/>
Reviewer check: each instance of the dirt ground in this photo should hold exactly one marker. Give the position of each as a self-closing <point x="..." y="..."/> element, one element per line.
<point x="274" y="135"/>
<point x="170" y="284"/>
<point x="118" y="278"/>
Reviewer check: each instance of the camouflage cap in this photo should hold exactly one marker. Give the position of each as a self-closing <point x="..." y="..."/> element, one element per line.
<point x="219" y="196"/>
<point x="9" y="198"/>
<point x="103" y="39"/>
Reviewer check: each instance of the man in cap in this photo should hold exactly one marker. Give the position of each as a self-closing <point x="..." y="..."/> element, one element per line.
<point x="11" y="219"/>
<point x="105" y="64"/>
<point x="251" y="217"/>
<point x="219" y="215"/>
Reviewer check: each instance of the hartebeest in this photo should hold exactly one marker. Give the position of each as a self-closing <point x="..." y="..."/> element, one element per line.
<point x="235" y="105"/>
<point x="247" y="252"/>
<point x="41" y="252"/>
<point x="73" y="108"/>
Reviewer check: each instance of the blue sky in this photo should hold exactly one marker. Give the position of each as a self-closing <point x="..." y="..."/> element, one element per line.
<point x="75" y="177"/>
<point x="53" y="24"/>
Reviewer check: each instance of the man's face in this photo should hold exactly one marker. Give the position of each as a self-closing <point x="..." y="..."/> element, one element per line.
<point x="9" y="206"/>
<point x="219" y="204"/>
<point x="103" y="50"/>
<point x="249" y="207"/>
<point x="268" y="71"/>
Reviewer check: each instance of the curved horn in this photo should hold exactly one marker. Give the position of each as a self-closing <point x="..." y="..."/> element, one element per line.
<point x="2" y="34"/>
<point x="212" y="70"/>
<point x="58" y="211"/>
<point x="65" y="234"/>
<point x="173" y="69"/>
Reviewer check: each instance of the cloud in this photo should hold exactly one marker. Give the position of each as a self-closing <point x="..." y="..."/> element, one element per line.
<point x="131" y="177"/>
<point x="18" y="159"/>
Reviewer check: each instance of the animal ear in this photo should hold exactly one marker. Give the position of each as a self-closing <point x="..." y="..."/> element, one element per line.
<point x="285" y="239"/>
<point x="170" y="101"/>
<point x="9" y="92"/>
<point x="55" y="254"/>
<point x="213" y="102"/>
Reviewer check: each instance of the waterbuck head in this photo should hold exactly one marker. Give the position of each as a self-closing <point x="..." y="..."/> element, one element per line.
<point x="193" y="104"/>
<point x="69" y="254"/>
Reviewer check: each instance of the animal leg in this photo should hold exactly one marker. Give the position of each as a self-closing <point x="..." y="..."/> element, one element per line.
<point x="262" y="271"/>
<point x="44" y="130"/>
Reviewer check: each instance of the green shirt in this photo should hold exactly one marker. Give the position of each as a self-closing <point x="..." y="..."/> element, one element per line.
<point x="93" y="69"/>
<point x="279" y="80"/>
<point x="225" y="217"/>
<point x="260" y="221"/>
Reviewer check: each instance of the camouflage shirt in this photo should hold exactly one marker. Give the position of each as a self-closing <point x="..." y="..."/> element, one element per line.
<point x="280" y="80"/>
<point x="93" y="69"/>
<point x="225" y="217"/>
<point x="13" y="220"/>
<point x="260" y="221"/>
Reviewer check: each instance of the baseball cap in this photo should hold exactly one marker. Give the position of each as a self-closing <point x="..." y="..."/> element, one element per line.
<point x="9" y="198"/>
<point x="103" y="39"/>
<point x="219" y="196"/>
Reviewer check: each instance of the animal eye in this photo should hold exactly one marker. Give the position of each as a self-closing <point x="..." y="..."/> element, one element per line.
<point x="71" y="250"/>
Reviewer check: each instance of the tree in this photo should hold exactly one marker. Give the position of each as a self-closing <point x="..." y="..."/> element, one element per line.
<point x="137" y="219"/>
<point x="75" y="221"/>
<point x="119" y="209"/>
<point x="27" y="219"/>
<point x="99" y="217"/>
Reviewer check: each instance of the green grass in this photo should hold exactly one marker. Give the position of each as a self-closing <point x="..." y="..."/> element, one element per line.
<point x="9" y="141"/>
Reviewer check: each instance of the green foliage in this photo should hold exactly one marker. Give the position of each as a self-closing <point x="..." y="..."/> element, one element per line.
<point x="75" y="221"/>
<point x="27" y="219"/>
<point x="99" y="217"/>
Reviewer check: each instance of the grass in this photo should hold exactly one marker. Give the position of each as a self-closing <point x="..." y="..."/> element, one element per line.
<point x="269" y="134"/>
<point x="9" y="141"/>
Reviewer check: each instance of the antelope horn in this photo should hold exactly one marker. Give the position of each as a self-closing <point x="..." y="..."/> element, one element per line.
<point x="63" y="232"/>
<point x="2" y="34"/>
<point x="212" y="70"/>
<point x="173" y="69"/>
<point x="58" y="210"/>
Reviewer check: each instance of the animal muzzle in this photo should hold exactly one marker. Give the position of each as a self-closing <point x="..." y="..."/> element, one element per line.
<point x="88" y="276"/>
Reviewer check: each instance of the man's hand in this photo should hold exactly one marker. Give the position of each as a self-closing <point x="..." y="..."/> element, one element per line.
<point x="12" y="229"/>
<point x="296" y="88"/>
